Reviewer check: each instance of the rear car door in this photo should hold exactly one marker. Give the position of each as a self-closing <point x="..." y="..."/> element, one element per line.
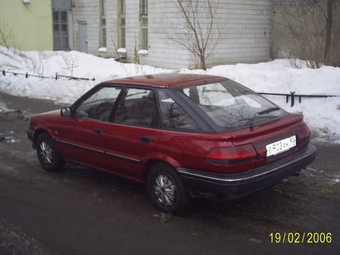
<point x="133" y="134"/>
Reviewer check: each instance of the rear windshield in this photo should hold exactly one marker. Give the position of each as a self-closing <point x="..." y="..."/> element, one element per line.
<point x="231" y="105"/>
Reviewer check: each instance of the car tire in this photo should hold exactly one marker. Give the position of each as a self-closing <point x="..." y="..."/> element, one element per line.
<point x="48" y="154"/>
<point x="166" y="189"/>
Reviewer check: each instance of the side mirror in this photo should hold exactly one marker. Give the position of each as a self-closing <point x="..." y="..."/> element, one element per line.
<point x="65" y="112"/>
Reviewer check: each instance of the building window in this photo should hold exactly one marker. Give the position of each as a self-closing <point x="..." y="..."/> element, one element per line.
<point x="144" y="31"/>
<point x="60" y="30"/>
<point x="102" y="8"/>
<point x="121" y="24"/>
<point x="144" y="7"/>
<point x="144" y="24"/>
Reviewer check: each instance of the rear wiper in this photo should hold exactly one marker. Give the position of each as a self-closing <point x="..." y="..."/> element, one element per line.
<point x="266" y="111"/>
<point x="272" y="109"/>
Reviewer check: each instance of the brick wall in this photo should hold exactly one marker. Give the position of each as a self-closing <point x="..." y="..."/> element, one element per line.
<point x="244" y="25"/>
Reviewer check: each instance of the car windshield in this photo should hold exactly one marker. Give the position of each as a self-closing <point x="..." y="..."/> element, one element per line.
<point x="231" y="105"/>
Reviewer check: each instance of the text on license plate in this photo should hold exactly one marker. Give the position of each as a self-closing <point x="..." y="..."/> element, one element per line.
<point x="281" y="146"/>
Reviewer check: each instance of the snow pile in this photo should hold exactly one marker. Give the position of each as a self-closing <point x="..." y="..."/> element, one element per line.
<point x="3" y="108"/>
<point x="321" y="114"/>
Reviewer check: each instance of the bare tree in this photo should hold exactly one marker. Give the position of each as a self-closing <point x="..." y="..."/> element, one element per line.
<point x="329" y="24"/>
<point x="306" y="30"/>
<point x="6" y="37"/>
<point x="69" y="61"/>
<point x="197" y="28"/>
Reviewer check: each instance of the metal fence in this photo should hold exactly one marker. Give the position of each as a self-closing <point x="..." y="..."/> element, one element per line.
<point x="56" y="77"/>
<point x="292" y="96"/>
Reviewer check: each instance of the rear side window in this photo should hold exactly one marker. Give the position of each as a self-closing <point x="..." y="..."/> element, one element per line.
<point x="231" y="105"/>
<point x="173" y="116"/>
<point x="137" y="108"/>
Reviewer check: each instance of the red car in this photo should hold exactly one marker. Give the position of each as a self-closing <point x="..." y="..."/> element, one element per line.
<point x="183" y="135"/>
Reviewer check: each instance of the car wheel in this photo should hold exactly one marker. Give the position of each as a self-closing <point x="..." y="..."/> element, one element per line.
<point x="48" y="154"/>
<point x="166" y="189"/>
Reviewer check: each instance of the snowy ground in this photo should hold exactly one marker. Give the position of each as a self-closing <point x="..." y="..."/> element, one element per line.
<point x="321" y="114"/>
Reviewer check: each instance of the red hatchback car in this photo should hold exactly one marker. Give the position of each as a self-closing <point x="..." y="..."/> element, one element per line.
<point x="184" y="135"/>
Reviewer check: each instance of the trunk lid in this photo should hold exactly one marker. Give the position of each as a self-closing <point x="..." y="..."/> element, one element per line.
<point x="277" y="134"/>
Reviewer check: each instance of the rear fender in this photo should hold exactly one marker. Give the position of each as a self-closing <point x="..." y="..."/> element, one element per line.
<point x="158" y="158"/>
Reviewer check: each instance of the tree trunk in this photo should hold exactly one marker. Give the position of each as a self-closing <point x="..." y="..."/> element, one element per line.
<point x="203" y="63"/>
<point x="328" y="32"/>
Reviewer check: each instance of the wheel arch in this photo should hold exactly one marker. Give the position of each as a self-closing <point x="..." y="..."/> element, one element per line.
<point x="40" y="131"/>
<point x="155" y="160"/>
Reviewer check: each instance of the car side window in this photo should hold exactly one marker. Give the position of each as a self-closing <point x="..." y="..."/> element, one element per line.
<point x="99" y="105"/>
<point x="173" y="115"/>
<point x="138" y="108"/>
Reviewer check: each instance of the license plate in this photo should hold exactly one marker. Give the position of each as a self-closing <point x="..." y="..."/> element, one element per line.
<point x="281" y="146"/>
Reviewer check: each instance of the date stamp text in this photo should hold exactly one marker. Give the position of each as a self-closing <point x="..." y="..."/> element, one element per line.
<point x="301" y="237"/>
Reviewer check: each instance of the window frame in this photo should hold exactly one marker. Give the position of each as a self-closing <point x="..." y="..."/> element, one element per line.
<point x="58" y="34"/>
<point x="102" y="24"/>
<point x="121" y="25"/>
<point x="143" y="6"/>
<point x="144" y="37"/>
<point x="121" y="100"/>
<point x="190" y="109"/>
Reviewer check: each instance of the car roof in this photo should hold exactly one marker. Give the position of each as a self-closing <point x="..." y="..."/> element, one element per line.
<point x="168" y="80"/>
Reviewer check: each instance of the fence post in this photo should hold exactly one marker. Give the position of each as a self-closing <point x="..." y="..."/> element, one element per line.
<point x="292" y="98"/>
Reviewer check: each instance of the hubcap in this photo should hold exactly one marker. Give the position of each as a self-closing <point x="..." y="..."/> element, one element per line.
<point x="46" y="153"/>
<point x="164" y="190"/>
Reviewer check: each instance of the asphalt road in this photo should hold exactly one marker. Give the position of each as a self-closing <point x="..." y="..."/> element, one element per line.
<point x="83" y="211"/>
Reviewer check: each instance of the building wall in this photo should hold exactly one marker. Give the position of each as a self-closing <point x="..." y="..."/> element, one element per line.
<point x="244" y="25"/>
<point x="162" y="52"/>
<point x="87" y="11"/>
<point x="30" y="24"/>
<point x="247" y="32"/>
<point x="244" y="28"/>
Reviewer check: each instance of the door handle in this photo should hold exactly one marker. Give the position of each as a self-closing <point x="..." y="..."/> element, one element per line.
<point x="145" y="139"/>
<point x="97" y="131"/>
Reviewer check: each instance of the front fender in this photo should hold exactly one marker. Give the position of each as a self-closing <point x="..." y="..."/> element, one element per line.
<point x="39" y="130"/>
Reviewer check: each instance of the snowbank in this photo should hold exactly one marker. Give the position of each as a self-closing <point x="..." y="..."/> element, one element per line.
<point x="321" y="114"/>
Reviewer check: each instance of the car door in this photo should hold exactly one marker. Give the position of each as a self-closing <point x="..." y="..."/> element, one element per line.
<point x="133" y="134"/>
<point x="81" y="136"/>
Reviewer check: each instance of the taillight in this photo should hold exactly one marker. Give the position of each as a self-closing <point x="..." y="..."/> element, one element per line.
<point x="231" y="155"/>
<point x="304" y="136"/>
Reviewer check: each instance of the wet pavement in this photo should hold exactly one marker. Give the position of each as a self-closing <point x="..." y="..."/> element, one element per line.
<point x="84" y="211"/>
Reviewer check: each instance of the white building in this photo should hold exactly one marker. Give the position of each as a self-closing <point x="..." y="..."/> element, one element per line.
<point x="139" y="30"/>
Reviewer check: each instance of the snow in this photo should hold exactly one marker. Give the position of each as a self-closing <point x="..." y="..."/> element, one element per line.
<point x="121" y="50"/>
<point x="321" y="114"/>
<point x="143" y="52"/>
<point x="103" y="49"/>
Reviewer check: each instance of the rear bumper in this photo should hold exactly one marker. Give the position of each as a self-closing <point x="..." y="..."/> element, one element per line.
<point x="231" y="186"/>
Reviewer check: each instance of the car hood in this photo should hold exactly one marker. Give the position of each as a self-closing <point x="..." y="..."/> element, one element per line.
<point x="54" y="112"/>
<point x="45" y="115"/>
